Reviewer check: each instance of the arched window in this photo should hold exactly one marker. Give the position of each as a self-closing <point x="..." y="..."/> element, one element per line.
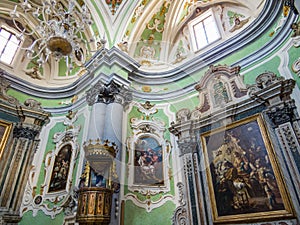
<point x="9" y="44"/>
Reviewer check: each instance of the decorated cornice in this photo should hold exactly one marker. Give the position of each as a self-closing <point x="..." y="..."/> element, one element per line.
<point x="4" y="85"/>
<point x="270" y="93"/>
<point x="30" y="108"/>
<point x="25" y="132"/>
<point x="112" y="57"/>
<point x="283" y="113"/>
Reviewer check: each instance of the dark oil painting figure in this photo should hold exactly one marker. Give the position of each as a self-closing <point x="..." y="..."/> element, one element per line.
<point x="59" y="176"/>
<point x="242" y="174"/>
<point x="148" y="162"/>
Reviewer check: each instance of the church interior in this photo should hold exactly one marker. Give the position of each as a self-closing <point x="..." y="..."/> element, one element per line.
<point x="153" y="112"/>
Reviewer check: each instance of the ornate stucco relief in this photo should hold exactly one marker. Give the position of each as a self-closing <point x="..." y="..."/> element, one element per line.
<point x="149" y="170"/>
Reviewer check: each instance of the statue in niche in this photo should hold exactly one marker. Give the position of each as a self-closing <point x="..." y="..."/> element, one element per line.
<point x="220" y="93"/>
<point x="98" y="179"/>
<point x="59" y="176"/>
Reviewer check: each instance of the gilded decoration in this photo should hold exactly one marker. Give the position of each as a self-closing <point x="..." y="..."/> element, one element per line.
<point x="94" y="205"/>
<point x="113" y="5"/>
<point x="244" y="179"/>
<point x="5" y="129"/>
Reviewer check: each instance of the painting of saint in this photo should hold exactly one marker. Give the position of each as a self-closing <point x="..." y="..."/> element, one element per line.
<point x="244" y="175"/>
<point x="59" y="176"/>
<point x="148" y="162"/>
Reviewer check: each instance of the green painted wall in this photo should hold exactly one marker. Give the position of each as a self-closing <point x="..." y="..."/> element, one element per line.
<point x="135" y="215"/>
<point x="41" y="218"/>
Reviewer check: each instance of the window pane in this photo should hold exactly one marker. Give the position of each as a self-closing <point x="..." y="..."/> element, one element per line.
<point x="4" y="33"/>
<point x="204" y="30"/>
<point x="6" y="59"/>
<point x="14" y="39"/>
<point x="3" y="40"/>
<point x="2" y="45"/>
<point x="200" y="35"/>
<point x="9" y="52"/>
<point x="212" y="31"/>
<point x="8" y="46"/>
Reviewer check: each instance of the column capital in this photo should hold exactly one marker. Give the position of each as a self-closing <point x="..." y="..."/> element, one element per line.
<point x="108" y="93"/>
<point x="282" y="113"/>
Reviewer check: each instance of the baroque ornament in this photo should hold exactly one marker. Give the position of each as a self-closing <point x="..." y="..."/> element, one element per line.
<point x="108" y="93"/>
<point x="113" y="5"/>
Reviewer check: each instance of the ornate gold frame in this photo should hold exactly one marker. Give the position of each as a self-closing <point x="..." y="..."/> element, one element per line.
<point x="213" y="158"/>
<point x="4" y="137"/>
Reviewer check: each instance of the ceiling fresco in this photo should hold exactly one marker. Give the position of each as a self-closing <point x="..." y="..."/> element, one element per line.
<point x="153" y="32"/>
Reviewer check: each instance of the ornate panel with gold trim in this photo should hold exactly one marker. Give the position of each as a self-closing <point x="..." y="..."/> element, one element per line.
<point x="5" y="129"/>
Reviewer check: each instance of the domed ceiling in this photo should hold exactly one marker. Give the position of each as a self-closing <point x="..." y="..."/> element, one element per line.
<point x="155" y="33"/>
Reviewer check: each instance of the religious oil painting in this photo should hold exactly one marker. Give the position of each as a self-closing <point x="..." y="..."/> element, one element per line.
<point x="243" y="174"/>
<point x="59" y="176"/>
<point x="4" y="134"/>
<point x="148" y="162"/>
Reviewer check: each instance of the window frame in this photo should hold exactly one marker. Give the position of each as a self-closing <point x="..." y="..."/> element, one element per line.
<point x="199" y="19"/>
<point x="12" y="34"/>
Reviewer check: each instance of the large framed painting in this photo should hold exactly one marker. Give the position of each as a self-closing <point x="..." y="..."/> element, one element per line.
<point x="5" y="129"/>
<point x="244" y="179"/>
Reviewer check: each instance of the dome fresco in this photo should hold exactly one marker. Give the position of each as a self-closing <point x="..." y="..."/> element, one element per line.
<point x="156" y="34"/>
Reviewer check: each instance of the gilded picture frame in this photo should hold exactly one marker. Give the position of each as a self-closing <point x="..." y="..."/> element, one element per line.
<point x="5" y="129"/>
<point x="244" y="179"/>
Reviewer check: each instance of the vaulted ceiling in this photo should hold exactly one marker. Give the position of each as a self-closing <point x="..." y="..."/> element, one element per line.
<point x="135" y="27"/>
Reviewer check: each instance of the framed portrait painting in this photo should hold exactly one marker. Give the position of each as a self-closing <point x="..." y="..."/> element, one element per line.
<point x="5" y="129"/>
<point x="244" y="179"/>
